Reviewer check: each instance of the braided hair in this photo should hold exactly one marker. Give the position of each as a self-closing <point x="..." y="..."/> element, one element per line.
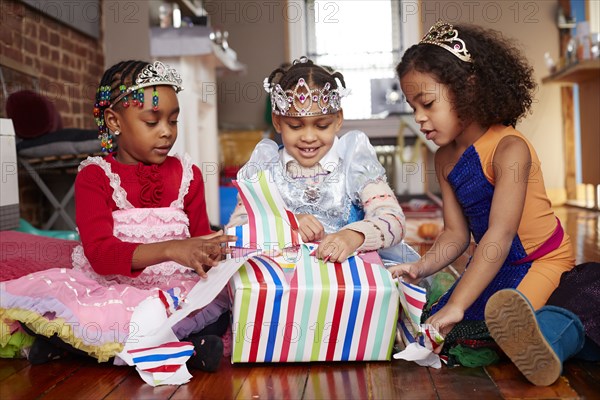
<point x="113" y="82"/>
<point x="314" y="74"/>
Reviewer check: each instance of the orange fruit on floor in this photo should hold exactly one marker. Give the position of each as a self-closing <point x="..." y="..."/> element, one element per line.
<point x="428" y="230"/>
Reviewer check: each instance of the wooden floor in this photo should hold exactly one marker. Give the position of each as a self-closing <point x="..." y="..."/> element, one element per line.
<point x="76" y="379"/>
<point x="80" y="379"/>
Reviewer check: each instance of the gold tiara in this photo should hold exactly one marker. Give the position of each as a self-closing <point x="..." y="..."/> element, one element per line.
<point x="444" y="35"/>
<point x="154" y="74"/>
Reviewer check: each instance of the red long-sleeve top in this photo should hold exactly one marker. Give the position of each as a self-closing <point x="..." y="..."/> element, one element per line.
<point x="147" y="186"/>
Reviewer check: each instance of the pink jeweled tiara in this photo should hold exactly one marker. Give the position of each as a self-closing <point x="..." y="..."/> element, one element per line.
<point x="444" y="35"/>
<point x="302" y="98"/>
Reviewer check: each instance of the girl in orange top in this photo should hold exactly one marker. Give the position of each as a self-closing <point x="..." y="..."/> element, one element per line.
<point x="468" y="87"/>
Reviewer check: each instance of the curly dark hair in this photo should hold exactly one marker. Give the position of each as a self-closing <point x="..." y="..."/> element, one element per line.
<point x="287" y="75"/>
<point x="497" y="87"/>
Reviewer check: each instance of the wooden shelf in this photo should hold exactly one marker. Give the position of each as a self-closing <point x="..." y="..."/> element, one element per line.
<point x="577" y="73"/>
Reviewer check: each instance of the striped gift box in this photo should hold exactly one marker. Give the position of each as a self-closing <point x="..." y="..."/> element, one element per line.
<point x="314" y="311"/>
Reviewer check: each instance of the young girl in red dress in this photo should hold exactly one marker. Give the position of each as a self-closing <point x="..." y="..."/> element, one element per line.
<point x="144" y="231"/>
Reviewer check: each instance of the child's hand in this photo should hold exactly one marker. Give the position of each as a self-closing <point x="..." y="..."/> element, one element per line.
<point x="446" y="318"/>
<point x="202" y="251"/>
<point x="337" y="247"/>
<point x="410" y="272"/>
<point x="310" y="229"/>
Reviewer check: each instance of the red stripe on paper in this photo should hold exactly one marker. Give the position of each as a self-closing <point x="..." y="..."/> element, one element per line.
<point x="293" y="227"/>
<point x="163" y="299"/>
<point x="162" y="346"/>
<point x="337" y="312"/>
<point x="260" y="311"/>
<point x="289" y="319"/>
<point x="364" y="334"/>
<point x="163" y="368"/>
<point x="434" y="345"/>
<point x="414" y="302"/>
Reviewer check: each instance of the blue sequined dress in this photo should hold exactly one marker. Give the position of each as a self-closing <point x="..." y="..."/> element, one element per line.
<point x="335" y="198"/>
<point x="472" y="180"/>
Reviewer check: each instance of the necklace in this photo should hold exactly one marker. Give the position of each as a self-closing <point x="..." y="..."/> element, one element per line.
<point x="312" y="194"/>
<point x="301" y="178"/>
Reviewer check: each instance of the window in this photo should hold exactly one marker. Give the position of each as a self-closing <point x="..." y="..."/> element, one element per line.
<point x="364" y="41"/>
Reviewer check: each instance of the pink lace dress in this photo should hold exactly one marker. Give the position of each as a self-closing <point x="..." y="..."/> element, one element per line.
<point x="91" y="311"/>
<point x="145" y="225"/>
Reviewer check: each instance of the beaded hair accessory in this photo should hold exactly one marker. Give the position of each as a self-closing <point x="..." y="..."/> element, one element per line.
<point x="444" y="35"/>
<point x="155" y="74"/>
<point x="299" y="101"/>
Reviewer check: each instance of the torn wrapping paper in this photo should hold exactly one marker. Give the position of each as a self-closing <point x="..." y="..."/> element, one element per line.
<point x="270" y="225"/>
<point x="163" y="361"/>
<point x="153" y="319"/>
<point x="289" y="306"/>
<point x="152" y="347"/>
<point x="420" y="340"/>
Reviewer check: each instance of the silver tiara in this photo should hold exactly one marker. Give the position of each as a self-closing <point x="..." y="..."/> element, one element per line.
<point x="444" y="35"/>
<point x="154" y="74"/>
<point x="299" y="102"/>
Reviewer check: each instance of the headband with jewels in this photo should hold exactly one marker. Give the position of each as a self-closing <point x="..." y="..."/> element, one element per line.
<point x="154" y="74"/>
<point x="444" y="35"/>
<point x="299" y="101"/>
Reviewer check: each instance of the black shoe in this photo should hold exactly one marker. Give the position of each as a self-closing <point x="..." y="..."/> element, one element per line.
<point x="208" y="352"/>
<point x="42" y="351"/>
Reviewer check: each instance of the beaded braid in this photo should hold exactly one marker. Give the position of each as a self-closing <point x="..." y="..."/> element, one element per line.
<point x="114" y="82"/>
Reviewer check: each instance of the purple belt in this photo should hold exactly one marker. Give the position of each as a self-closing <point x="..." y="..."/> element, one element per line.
<point x="549" y="245"/>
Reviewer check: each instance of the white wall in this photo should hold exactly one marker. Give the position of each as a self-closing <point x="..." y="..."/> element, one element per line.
<point x="257" y="34"/>
<point x="126" y="30"/>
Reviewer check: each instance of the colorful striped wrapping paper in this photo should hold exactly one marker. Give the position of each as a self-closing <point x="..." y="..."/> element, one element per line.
<point x="316" y="311"/>
<point x="419" y="340"/>
<point x="163" y="361"/>
<point x="295" y="307"/>
<point x="270" y="225"/>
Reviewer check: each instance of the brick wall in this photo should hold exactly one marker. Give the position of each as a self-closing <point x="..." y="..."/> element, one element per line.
<point x="41" y="54"/>
<point x="67" y="64"/>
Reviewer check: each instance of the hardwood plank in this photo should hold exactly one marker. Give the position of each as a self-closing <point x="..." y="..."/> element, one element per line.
<point x="582" y="378"/>
<point x="513" y="385"/>
<point x="275" y="381"/>
<point x="34" y="380"/>
<point x="223" y="384"/>
<point x="462" y="382"/>
<point x="133" y="387"/>
<point x="341" y="380"/>
<point x="92" y="381"/>
<point x="399" y="379"/>
<point x="593" y="368"/>
<point x="9" y="366"/>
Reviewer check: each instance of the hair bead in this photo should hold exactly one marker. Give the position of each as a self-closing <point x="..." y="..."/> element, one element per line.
<point x="129" y="78"/>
